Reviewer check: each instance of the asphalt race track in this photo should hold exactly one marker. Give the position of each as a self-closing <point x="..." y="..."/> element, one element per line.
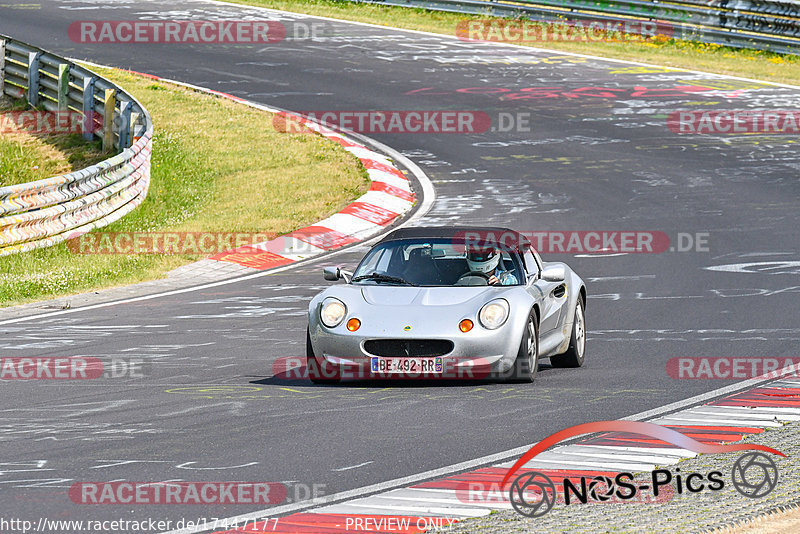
<point x="599" y="157"/>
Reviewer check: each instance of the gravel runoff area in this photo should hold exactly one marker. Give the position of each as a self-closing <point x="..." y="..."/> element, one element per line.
<point x="687" y="512"/>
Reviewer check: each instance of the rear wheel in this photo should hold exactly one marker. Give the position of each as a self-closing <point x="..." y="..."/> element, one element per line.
<point x="527" y="363"/>
<point x="319" y="373"/>
<point x="577" y="342"/>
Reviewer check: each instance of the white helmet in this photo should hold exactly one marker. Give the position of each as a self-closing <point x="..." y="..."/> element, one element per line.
<point x="483" y="261"/>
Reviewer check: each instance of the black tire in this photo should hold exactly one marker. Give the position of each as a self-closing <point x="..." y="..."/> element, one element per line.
<point x="318" y="373"/>
<point x="576" y="353"/>
<point x="526" y="364"/>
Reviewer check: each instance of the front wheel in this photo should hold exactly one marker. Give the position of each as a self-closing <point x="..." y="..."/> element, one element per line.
<point x="319" y="373"/>
<point x="527" y="363"/>
<point x="577" y="342"/>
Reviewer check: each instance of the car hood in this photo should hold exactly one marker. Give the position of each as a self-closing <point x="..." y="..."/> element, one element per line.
<point x="424" y="296"/>
<point x="409" y="297"/>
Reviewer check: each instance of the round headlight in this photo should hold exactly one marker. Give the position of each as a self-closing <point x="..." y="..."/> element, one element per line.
<point x="332" y="312"/>
<point x="494" y="314"/>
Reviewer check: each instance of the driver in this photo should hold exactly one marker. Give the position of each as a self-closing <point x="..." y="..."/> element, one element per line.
<point x="487" y="261"/>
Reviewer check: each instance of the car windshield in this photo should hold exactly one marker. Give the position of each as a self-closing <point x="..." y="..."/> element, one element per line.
<point x="437" y="262"/>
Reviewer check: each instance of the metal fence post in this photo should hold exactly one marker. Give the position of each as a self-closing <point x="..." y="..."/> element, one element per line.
<point x="89" y="122"/>
<point x="63" y="86"/>
<point x="33" y="78"/>
<point x="2" y="66"/>
<point x="124" y="125"/>
<point x="135" y="117"/>
<point x="109" y="103"/>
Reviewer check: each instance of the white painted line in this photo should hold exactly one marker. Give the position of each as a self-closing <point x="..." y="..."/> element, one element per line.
<point x="626" y="277"/>
<point x="429" y="490"/>
<point x="611" y="255"/>
<point x="655" y="451"/>
<point x="490" y="505"/>
<point x="790" y="414"/>
<point x="401" y="497"/>
<point x="446" y="495"/>
<point x="576" y="465"/>
<point x="743" y="413"/>
<point x="792" y="383"/>
<point x="365" y="153"/>
<point x="352" y="467"/>
<point x="360" y="510"/>
<point x="550" y="460"/>
<point x="386" y="201"/>
<point x="391" y="179"/>
<point x="701" y="422"/>
<point x="623" y="456"/>
<point x="379" y="174"/>
<point x="703" y="416"/>
<point x="384" y="507"/>
<point x="348" y="224"/>
<point x="691" y="415"/>
<point x="379" y="511"/>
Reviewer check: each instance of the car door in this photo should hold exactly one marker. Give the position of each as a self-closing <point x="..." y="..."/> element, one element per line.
<point x="551" y="296"/>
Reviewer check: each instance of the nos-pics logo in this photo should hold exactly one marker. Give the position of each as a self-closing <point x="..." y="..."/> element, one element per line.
<point x="533" y="494"/>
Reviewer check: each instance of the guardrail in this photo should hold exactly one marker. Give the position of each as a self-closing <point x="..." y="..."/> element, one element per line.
<point x="49" y="211"/>
<point x="768" y="25"/>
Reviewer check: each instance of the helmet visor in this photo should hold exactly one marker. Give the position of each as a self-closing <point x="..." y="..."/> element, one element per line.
<point x="481" y="255"/>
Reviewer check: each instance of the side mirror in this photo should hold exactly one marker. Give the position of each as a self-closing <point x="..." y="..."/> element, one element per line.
<point x="331" y="274"/>
<point x="554" y="272"/>
<point x="335" y="273"/>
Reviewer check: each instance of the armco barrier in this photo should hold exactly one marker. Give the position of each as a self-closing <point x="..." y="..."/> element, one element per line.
<point x="759" y="24"/>
<point x="49" y="211"/>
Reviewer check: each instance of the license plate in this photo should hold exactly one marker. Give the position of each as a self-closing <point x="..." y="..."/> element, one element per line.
<point x="393" y="366"/>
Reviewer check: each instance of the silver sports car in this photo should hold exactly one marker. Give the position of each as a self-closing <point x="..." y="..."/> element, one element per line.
<point x="447" y="302"/>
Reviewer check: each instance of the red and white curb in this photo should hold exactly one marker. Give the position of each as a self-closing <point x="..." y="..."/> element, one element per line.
<point x="437" y="503"/>
<point x="389" y="197"/>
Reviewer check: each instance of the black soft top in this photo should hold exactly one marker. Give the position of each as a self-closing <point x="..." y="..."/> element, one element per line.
<point x="485" y="236"/>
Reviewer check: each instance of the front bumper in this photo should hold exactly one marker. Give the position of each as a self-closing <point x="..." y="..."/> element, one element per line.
<point x="475" y="354"/>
